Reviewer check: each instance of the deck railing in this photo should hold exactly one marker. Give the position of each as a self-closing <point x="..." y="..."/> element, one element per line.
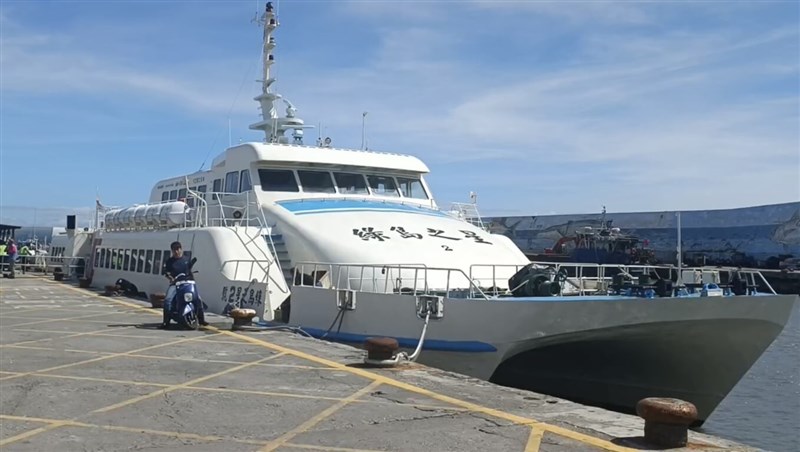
<point x="491" y="281"/>
<point x="392" y="278"/>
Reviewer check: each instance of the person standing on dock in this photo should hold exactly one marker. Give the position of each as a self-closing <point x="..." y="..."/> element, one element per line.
<point x="25" y="253"/>
<point x="11" y="250"/>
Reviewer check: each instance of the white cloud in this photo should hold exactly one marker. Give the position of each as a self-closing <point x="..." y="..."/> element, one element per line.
<point x="633" y="104"/>
<point x="575" y="12"/>
<point x="39" y="64"/>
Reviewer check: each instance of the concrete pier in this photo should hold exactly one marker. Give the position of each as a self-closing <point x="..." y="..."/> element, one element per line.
<point x="80" y="371"/>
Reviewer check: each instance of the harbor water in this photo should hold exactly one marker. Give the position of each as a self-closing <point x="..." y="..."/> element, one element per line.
<point x="763" y="410"/>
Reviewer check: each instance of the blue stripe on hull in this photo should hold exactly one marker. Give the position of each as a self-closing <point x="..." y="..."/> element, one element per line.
<point x="405" y="342"/>
<point x="300" y="207"/>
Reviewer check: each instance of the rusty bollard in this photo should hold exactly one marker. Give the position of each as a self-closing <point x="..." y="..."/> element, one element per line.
<point x="242" y="317"/>
<point x="157" y="300"/>
<point x="381" y="348"/>
<point x="111" y="290"/>
<point x="666" y="421"/>
<point x="85" y="283"/>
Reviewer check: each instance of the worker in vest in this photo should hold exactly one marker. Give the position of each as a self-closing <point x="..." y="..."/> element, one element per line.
<point x="25" y="253"/>
<point x="3" y="256"/>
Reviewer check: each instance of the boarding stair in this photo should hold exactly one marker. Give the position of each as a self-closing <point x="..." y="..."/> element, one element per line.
<point x="278" y="246"/>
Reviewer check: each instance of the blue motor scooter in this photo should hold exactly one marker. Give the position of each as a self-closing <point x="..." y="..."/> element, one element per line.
<point x="183" y="310"/>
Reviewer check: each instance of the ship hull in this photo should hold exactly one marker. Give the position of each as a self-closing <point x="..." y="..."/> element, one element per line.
<point x="609" y="353"/>
<point x="699" y="361"/>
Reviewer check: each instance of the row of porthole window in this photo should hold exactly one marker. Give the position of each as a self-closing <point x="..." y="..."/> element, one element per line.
<point x="133" y="260"/>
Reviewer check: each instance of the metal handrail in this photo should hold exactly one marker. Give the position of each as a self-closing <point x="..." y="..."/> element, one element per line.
<point x="602" y="270"/>
<point x="335" y="271"/>
<point x="252" y="262"/>
<point x="386" y="269"/>
<point x="46" y="262"/>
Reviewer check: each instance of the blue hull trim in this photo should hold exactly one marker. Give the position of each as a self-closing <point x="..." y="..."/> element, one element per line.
<point x="301" y="207"/>
<point x="430" y="344"/>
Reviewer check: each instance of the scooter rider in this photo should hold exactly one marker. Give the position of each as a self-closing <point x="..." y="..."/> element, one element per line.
<point x="178" y="263"/>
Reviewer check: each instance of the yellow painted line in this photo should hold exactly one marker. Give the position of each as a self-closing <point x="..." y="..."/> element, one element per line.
<point x="29" y="433"/>
<point x="73" y="320"/>
<point x="302" y="428"/>
<point x="521" y="420"/>
<point x="72" y="423"/>
<point x="177" y="435"/>
<point x="31" y="347"/>
<point x="102" y="380"/>
<point x="327" y="448"/>
<point x="38" y="322"/>
<point x="161" y="357"/>
<point x="33" y="341"/>
<point x="34" y="330"/>
<point x="561" y="431"/>
<point x="182" y="385"/>
<point x="100" y="358"/>
<point x="239" y="391"/>
<point x="534" y="440"/>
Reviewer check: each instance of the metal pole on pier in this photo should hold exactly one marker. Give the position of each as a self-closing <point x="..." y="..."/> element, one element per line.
<point x="679" y="254"/>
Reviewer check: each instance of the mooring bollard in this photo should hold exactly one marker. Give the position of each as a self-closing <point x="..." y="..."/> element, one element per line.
<point x="157" y="300"/>
<point x="381" y="348"/>
<point x="111" y="290"/>
<point x="242" y="317"/>
<point x="58" y="274"/>
<point x="85" y="283"/>
<point x="666" y="421"/>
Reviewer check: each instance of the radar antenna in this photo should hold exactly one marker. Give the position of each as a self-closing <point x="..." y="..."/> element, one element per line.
<point x="274" y="126"/>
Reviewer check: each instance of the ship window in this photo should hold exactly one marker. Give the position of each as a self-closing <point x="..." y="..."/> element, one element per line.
<point x="173" y="195"/>
<point x="202" y="190"/>
<point x="382" y="186"/>
<point x="232" y="182"/>
<point x="411" y="188"/>
<point x="96" y="257"/>
<point x="217" y="187"/>
<point x="157" y="263"/>
<point x="277" y="180"/>
<point x="182" y="194"/>
<point x="148" y="261"/>
<point x="190" y="199"/>
<point x="140" y="262"/>
<point x="244" y="181"/>
<point x="351" y="183"/>
<point x="316" y="181"/>
<point x="114" y="259"/>
<point x="108" y="258"/>
<point x="165" y="196"/>
<point x="126" y="260"/>
<point x="134" y="256"/>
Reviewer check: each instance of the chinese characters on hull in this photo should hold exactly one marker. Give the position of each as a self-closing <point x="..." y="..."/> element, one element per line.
<point x="243" y="297"/>
<point x="368" y="233"/>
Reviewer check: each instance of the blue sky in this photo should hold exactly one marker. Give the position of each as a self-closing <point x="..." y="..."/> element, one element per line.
<point x="539" y="107"/>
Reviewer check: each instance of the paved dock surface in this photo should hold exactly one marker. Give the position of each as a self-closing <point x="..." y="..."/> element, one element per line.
<point x="80" y="371"/>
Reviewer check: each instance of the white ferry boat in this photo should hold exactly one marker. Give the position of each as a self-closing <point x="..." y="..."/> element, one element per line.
<point x="348" y="244"/>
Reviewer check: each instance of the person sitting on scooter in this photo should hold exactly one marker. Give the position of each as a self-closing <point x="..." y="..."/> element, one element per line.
<point x="178" y="263"/>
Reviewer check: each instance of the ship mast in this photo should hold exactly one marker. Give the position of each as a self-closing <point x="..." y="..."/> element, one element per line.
<point x="274" y="126"/>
